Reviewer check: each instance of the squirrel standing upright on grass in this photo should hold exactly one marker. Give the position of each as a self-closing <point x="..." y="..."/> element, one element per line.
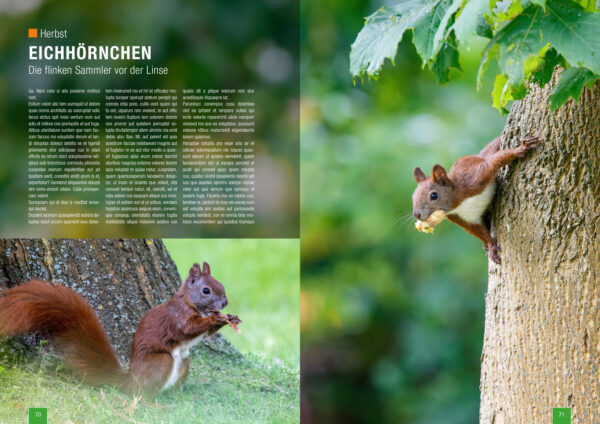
<point x="464" y="194"/>
<point x="160" y="346"/>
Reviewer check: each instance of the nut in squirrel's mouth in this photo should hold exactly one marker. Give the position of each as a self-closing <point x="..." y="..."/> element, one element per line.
<point x="434" y="219"/>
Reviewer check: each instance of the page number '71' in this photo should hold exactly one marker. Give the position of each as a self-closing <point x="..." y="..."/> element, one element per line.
<point x="561" y="416"/>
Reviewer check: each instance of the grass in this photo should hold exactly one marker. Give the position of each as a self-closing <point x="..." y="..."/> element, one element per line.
<point x="220" y="389"/>
<point x="261" y="278"/>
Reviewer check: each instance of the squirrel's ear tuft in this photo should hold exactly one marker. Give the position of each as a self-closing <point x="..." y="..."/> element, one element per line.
<point x="419" y="175"/>
<point x="205" y="268"/>
<point x="439" y="175"/>
<point x="195" y="270"/>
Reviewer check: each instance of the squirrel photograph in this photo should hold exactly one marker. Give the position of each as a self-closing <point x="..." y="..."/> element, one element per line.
<point x="159" y="349"/>
<point x="464" y="194"/>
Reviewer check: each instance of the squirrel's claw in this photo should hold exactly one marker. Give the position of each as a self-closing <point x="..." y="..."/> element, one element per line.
<point x="493" y="250"/>
<point x="530" y="143"/>
<point x="532" y="139"/>
<point x="527" y="145"/>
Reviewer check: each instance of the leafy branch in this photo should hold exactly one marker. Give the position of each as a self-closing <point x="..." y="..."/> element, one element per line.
<point x="528" y="39"/>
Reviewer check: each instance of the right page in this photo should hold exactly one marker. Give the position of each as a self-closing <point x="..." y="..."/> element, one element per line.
<point x="450" y="209"/>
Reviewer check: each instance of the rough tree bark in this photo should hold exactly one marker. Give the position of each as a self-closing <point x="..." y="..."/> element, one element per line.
<point x="542" y="323"/>
<point x="121" y="278"/>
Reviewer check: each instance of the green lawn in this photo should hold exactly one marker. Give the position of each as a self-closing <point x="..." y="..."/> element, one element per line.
<point x="261" y="278"/>
<point x="220" y="389"/>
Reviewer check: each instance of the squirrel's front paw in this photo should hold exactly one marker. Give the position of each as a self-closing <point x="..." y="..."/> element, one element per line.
<point x="234" y="319"/>
<point x="220" y="318"/>
<point x="529" y="144"/>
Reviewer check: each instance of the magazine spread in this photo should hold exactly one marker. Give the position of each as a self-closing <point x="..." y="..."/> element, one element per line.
<point x="292" y="211"/>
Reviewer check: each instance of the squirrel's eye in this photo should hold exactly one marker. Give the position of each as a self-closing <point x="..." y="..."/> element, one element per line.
<point x="433" y="195"/>
<point x="206" y="290"/>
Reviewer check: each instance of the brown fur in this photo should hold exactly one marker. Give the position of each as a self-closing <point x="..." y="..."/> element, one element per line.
<point x="468" y="177"/>
<point x="59" y="313"/>
<point x="63" y="316"/>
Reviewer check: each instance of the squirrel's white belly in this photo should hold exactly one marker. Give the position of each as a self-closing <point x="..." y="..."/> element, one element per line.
<point x="179" y="354"/>
<point x="473" y="208"/>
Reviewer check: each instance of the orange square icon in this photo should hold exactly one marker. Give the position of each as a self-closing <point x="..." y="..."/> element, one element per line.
<point x="32" y="32"/>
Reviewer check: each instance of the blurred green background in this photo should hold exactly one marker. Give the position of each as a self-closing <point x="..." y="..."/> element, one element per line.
<point x="392" y="320"/>
<point x="262" y="281"/>
<point x="205" y="44"/>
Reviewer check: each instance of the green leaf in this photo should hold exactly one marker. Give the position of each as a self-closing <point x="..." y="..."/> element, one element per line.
<point x="588" y="5"/>
<point x="543" y="75"/>
<point x="467" y="22"/>
<point x="574" y="33"/>
<point x="564" y="25"/>
<point x="571" y="84"/>
<point x="518" y="40"/>
<point x="541" y="3"/>
<point x="383" y="30"/>
<point x="447" y="58"/>
<point x="377" y="41"/>
<point x="488" y="54"/>
<point x="483" y="28"/>
<point x="502" y="7"/>
<point x="429" y="35"/>
<point x="502" y="93"/>
<point x="531" y="38"/>
<point x="506" y="10"/>
<point x="518" y="91"/>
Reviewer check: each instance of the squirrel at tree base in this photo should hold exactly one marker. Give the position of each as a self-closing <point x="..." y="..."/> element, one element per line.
<point x="464" y="194"/>
<point x="160" y="346"/>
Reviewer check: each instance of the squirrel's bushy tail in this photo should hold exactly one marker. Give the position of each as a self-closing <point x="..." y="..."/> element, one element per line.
<point x="71" y="324"/>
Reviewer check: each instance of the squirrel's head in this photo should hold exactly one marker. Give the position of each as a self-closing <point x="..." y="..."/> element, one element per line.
<point x="202" y="292"/>
<point x="432" y="193"/>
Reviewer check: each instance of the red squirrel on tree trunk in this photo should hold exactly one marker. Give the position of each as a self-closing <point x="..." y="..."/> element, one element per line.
<point x="160" y="346"/>
<point x="464" y="194"/>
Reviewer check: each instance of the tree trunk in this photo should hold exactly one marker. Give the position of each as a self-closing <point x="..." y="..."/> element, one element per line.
<point x="121" y="279"/>
<point x="541" y="347"/>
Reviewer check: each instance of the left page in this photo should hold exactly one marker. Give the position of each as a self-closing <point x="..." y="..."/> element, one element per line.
<point x="149" y="211"/>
